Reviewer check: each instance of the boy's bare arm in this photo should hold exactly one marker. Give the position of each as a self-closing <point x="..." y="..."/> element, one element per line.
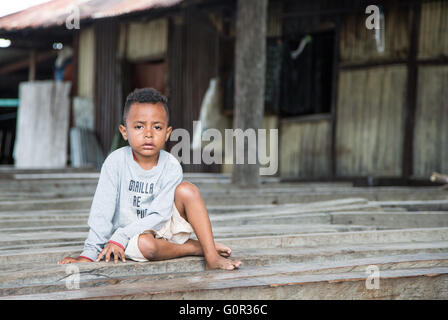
<point x="112" y="248"/>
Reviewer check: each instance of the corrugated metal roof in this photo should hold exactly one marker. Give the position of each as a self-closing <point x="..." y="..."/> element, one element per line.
<point x="56" y="12"/>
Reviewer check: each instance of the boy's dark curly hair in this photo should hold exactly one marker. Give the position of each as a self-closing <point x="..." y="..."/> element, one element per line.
<point x="145" y="95"/>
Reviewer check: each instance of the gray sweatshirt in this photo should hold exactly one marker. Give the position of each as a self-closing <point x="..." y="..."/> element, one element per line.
<point x="129" y="200"/>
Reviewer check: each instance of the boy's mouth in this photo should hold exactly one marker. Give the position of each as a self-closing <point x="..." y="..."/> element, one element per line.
<point x="148" y="146"/>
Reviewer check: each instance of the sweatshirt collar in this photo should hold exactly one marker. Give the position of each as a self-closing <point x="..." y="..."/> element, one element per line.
<point x="142" y="171"/>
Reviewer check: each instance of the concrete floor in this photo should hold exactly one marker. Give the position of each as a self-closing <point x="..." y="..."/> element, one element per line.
<point x="296" y="241"/>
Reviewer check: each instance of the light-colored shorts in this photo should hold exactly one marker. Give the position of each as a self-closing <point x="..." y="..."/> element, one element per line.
<point x="176" y="230"/>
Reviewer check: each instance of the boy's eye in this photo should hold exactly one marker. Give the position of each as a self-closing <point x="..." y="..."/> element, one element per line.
<point x="138" y="127"/>
<point x="157" y="127"/>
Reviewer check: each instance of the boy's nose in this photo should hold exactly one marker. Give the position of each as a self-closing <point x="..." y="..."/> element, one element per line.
<point x="148" y="133"/>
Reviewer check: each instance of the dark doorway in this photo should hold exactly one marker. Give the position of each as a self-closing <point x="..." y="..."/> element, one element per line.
<point x="149" y="75"/>
<point x="307" y="74"/>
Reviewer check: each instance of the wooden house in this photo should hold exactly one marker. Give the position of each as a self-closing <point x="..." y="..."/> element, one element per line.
<point x="349" y="102"/>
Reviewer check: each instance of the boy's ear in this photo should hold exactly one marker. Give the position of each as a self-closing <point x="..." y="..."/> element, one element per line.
<point x="123" y="132"/>
<point x="168" y="133"/>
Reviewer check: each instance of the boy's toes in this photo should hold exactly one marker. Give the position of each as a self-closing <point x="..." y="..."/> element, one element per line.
<point x="237" y="263"/>
<point x="226" y="253"/>
<point x="229" y="267"/>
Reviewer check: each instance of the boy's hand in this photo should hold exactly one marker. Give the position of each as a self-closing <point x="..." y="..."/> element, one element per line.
<point x="112" y="248"/>
<point x="67" y="260"/>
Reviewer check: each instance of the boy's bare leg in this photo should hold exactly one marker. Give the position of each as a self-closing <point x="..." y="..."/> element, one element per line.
<point x="192" y="208"/>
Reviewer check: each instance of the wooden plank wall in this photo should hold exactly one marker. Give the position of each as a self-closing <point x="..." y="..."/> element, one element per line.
<point x="42" y="124"/>
<point x="146" y="40"/>
<point x="305" y="148"/>
<point x="108" y="96"/>
<point x="431" y="129"/>
<point x="304" y="142"/>
<point x="86" y="63"/>
<point x="372" y="97"/>
<point x="433" y="39"/>
<point x="193" y="62"/>
<point x="370" y="118"/>
<point x="357" y="43"/>
<point x="431" y="126"/>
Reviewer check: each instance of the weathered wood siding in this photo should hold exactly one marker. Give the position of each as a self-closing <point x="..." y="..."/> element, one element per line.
<point x="192" y="63"/>
<point x="270" y="122"/>
<point x="370" y="120"/>
<point x="274" y="21"/>
<point x="358" y="45"/>
<point x="42" y="124"/>
<point x="433" y="38"/>
<point x="431" y="129"/>
<point x="86" y="63"/>
<point x="108" y="97"/>
<point x="145" y="40"/>
<point x="431" y="122"/>
<point x="304" y="148"/>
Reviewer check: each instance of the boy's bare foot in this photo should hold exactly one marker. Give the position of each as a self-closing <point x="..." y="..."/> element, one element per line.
<point x="222" y="263"/>
<point x="218" y="261"/>
<point x="223" y="250"/>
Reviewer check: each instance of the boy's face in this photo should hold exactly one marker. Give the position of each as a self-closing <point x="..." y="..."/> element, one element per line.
<point x="146" y="128"/>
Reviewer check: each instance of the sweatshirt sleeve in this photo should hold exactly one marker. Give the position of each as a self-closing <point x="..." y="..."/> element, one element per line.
<point x="160" y="208"/>
<point x="102" y="211"/>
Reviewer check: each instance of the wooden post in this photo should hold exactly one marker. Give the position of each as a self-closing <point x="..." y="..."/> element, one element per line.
<point x="411" y="98"/>
<point x="32" y="66"/>
<point x="250" y="65"/>
<point x="334" y="100"/>
<point x="75" y="59"/>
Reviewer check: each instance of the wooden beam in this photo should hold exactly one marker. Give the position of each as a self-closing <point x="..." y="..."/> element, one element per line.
<point x="23" y="64"/>
<point x="371" y="64"/>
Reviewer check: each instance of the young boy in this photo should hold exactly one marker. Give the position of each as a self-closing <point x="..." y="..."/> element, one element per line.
<point x="141" y="209"/>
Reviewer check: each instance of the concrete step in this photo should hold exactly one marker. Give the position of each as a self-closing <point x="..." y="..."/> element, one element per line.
<point x="26" y="235"/>
<point x="217" y="193"/>
<point x="380" y="220"/>
<point x="395" y="220"/>
<point x="283" y="229"/>
<point x="72" y="186"/>
<point x="421" y="283"/>
<point x="84" y="203"/>
<point x="50" y="244"/>
<point x="11" y="224"/>
<point x="348" y="239"/>
<point x="44" y="214"/>
<point x="218" y="231"/>
<point x="294" y="197"/>
<point x="18" y="275"/>
<point x="417" y="205"/>
<point x="47" y="204"/>
<point x="238" y="210"/>
<point x="81" y="221"/>
<point x="343" y="238"/>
